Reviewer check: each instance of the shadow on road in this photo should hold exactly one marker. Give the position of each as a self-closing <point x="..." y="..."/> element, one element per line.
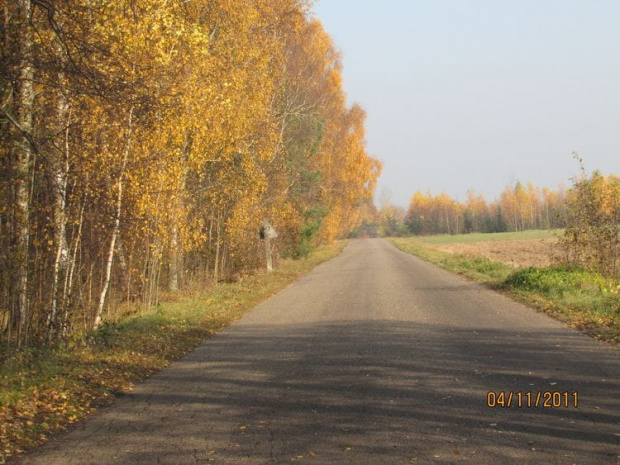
<point x="372" y="392"/>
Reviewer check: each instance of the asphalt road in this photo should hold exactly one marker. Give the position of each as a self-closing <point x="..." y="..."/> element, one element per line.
<point x="374" y="357"/>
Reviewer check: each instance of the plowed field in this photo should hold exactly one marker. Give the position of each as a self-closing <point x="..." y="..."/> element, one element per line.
<point x="518" y="250"/>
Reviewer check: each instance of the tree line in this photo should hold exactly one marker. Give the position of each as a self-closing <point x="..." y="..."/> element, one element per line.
<point x="520" y="207"/>
<point x="589" y="213"/>
<point x="144" y="142"/>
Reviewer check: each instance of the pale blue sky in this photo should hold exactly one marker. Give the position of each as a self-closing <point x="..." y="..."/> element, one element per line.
<point x="479" y="93"/>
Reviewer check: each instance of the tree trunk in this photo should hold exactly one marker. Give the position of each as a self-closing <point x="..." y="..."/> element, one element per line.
<point x="24" y="100"/>
<point x="67" y="292"/>
<point x="176" y="255"/>
<point x="117" y="224"/>
<point x="60" y="174"/>
<point x="173" y="275"/>
<point x="217" y="249"/>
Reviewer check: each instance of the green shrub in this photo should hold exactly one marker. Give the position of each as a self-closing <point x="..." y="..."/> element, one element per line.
<point x="592" y="235"/>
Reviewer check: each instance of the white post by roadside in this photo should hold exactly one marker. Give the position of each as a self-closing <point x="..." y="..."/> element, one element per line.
<point x="267" y="233"/>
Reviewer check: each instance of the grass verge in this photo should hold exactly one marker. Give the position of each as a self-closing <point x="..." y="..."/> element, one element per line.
<point x="582" y="299"/>
<point x="479" y="269"/>
<point x="44" y="390"/>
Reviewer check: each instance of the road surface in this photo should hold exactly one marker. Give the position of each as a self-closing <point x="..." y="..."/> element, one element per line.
<point x="374" y="357"/>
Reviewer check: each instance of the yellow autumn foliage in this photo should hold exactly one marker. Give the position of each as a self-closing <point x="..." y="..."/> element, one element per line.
<point x="164" y="133"/>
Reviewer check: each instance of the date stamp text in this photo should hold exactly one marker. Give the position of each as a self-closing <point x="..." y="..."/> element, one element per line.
<point x="532" y="399"/>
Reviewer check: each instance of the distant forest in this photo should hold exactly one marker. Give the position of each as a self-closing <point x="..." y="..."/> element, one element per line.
<point x="520" y="207"/>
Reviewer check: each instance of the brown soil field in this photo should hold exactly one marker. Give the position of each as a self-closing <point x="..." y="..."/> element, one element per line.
<point x="515" y="253"/>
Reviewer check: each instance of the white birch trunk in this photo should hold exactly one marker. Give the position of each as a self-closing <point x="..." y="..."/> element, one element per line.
<point x="24" y="101"/>
<point x="217" y="249"/>
<point x="117" y="223"/>
<point x="176" y="256"/>
<point x="173" y="276"/>
<point x="61" y="261"/>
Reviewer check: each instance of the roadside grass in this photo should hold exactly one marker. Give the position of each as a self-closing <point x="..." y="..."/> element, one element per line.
<point x="580" y="298"/>
<point x="44" y="390"/>
<point x="530" y="235"/>
<point x="480" y="269"/>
